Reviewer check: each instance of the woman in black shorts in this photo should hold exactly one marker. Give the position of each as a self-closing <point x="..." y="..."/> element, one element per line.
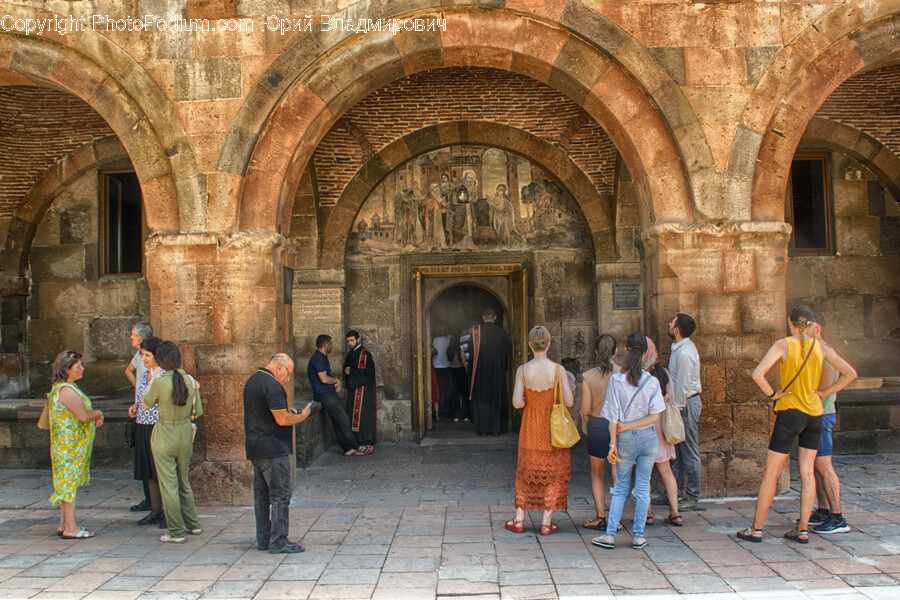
<point x="593" y="394"/>
<point x="798" y="414"/>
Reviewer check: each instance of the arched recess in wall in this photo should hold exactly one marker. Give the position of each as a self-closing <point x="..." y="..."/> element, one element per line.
<point x="791" y="92"/>
<point x="273" y="139"/>
<point x="35" y="204"/>
<point x="336" y="224"/>
<point x="859" y="145"/>
<point x="133" y="105"/>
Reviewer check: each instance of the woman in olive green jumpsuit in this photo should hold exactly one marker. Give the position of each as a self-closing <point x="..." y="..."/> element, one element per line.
<point x="172" y="441"/>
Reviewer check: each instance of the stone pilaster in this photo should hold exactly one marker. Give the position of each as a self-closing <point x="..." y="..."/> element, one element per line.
<point x="730" y="278"/>
<point x="221" y="299"/>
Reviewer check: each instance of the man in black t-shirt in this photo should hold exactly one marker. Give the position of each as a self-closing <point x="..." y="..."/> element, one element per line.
<point x="269" y="442"/>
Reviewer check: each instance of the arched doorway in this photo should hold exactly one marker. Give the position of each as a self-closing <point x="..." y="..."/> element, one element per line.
<point x="451" y="316"/>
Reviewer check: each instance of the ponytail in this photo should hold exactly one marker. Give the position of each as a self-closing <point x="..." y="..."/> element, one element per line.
<point x="605" y="347"/>
<point x="632" y="367"/>
<point x="169" y="358"/>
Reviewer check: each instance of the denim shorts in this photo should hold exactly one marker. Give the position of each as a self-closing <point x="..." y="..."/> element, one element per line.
<point x="826" y="445"/>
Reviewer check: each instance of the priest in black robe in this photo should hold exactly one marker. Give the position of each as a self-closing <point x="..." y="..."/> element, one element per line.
<point x="359" y="381"/>
<point x="490" y="361"/>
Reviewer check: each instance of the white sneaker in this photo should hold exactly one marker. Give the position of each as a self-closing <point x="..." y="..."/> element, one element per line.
<point x="168" y="538"/>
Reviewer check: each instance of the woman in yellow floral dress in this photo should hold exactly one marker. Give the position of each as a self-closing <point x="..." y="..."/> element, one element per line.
<point x="72" y="425"/>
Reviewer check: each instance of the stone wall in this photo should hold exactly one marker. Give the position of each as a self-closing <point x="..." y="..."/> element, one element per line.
<point x="856" y="290"/>
<point x="71" y="306"/>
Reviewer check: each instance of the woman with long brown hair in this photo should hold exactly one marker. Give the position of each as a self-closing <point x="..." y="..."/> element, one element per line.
<point x="178" y="397"/>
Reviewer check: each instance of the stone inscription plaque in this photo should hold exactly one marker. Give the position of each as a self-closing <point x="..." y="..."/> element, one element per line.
<point x="322" y="305"/>
<point x="627" y="296"/>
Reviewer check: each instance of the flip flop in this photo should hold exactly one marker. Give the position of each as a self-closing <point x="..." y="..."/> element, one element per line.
<point x="81" y="535"/>
<point x="368" y="450"/>
<point x="600" y="523"/>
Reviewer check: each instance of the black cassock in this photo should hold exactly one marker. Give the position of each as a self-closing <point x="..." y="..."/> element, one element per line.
<point x="490" y="398"/>
<point x="360" y="386"/>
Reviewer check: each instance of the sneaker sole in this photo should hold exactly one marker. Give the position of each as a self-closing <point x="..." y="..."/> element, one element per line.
<point x="638" y="547"/>
<point x="609" y="546"/>
<point x="844" y="529"/>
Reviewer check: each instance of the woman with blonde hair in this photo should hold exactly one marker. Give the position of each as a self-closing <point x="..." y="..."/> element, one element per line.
<point x="798" y="415"/>
<point x="593" y="394"/>
<point x="543" y="472"/>
<point x="73" y="422"/>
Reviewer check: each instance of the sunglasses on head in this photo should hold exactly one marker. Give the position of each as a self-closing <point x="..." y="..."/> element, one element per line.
<point x="72" y="354"/>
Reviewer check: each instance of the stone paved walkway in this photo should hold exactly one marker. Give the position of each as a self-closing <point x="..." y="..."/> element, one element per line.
<point x="420" y="522"/>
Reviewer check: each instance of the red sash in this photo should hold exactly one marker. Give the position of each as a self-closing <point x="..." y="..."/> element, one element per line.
<point x="358" y="398"/>
<point x="476" y="346"/>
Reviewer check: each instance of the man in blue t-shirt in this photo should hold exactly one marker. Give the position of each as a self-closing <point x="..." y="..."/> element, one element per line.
<point x="269" y="443"/>
<point x="326" y="388"/>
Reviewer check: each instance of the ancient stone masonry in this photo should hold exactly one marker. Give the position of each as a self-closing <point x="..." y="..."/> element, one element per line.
<point x="617" y="162"/>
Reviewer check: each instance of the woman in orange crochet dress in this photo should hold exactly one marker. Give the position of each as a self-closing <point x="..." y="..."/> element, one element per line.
<point x="543" y="472"/>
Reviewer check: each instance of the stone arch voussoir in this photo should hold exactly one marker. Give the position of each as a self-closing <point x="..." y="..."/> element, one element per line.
<point x="612" y="77"/>
<point x="840" y="44"/>
<point x="336" y="224"/>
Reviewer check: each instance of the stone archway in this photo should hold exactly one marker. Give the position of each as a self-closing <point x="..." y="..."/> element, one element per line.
<point x="284" y="139"/>
<point x="336" y="222"/>
<point x="806" y="72"/>
<point x="133" y="106"/>
<point x="859" y="145"/>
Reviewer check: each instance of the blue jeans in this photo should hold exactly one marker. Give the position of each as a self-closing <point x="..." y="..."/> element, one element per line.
<point x="636" y="448"/>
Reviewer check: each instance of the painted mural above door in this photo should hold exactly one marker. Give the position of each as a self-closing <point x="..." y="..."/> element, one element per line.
<point x="463" y="198"/>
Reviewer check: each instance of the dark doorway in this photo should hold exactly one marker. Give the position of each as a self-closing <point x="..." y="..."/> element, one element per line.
<point x="453" y="313"/>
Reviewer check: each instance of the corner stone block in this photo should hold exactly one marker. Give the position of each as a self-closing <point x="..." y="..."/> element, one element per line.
<point x="697" y="270"/>
<point x="188" y="323"/>
<point x="762" y="312"/>
<point x="720" y="313"/>
<point x="740" y="271"/>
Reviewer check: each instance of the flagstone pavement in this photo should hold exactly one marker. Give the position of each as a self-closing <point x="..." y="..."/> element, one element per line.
<point x="423" y="522"/>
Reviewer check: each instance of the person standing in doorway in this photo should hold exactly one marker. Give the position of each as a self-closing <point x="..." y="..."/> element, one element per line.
<point x="490" y="361"/>
<point x="136" y="373"/>
<point x="441" y="363"/>
<point x="684" y="368"/>
<point x="269" y="443"/>
<point x="325" y="388"/>
<point x="359" y="381"/>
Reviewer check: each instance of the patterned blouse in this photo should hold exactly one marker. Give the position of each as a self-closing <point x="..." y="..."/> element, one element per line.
<point x="147" y="416"/>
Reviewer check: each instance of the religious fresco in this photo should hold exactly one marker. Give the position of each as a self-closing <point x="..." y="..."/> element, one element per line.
<point x="465" y="198"/>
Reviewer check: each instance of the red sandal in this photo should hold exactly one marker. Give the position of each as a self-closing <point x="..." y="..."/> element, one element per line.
<point x="549" y="529"/>
<point x="516" y="526"/>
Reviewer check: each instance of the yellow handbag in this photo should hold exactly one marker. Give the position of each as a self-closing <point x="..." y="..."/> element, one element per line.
<point x="563" y="431"/>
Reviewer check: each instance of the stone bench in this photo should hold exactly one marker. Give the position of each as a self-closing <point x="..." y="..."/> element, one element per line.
<point x="869" y="417"/>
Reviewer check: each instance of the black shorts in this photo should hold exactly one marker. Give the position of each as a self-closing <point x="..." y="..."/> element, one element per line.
<point x="598" y="437"/>
<point x="793" y="423"/>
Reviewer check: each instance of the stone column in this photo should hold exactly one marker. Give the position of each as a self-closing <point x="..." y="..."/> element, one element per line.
<point x="730" y="278"/>
<point x="221" y="299"/>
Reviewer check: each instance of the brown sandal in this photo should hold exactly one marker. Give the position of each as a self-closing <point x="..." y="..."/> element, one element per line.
<point x="675" y="521"/>
<point x="801" y="536"/>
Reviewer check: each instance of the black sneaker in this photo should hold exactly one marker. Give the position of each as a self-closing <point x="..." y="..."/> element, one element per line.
<point x="288" y="548"/>
<point x="151" y="519"/>
<point x="832" y="525"/>
<point x="141" y="506"/>
<point x="816" y="518"/>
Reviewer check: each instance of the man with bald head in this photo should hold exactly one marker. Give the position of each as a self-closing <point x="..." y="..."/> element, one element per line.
<point x="269" y="443"/>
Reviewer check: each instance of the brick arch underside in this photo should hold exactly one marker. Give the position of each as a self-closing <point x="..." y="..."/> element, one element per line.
<point x="131" y="103"/>
<point x="794" y="87"/>
<point x="334" y="82"/>
<point x="594" y="210"/>
<point x="860" y="146"/>
<point x="40" y="197"/>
